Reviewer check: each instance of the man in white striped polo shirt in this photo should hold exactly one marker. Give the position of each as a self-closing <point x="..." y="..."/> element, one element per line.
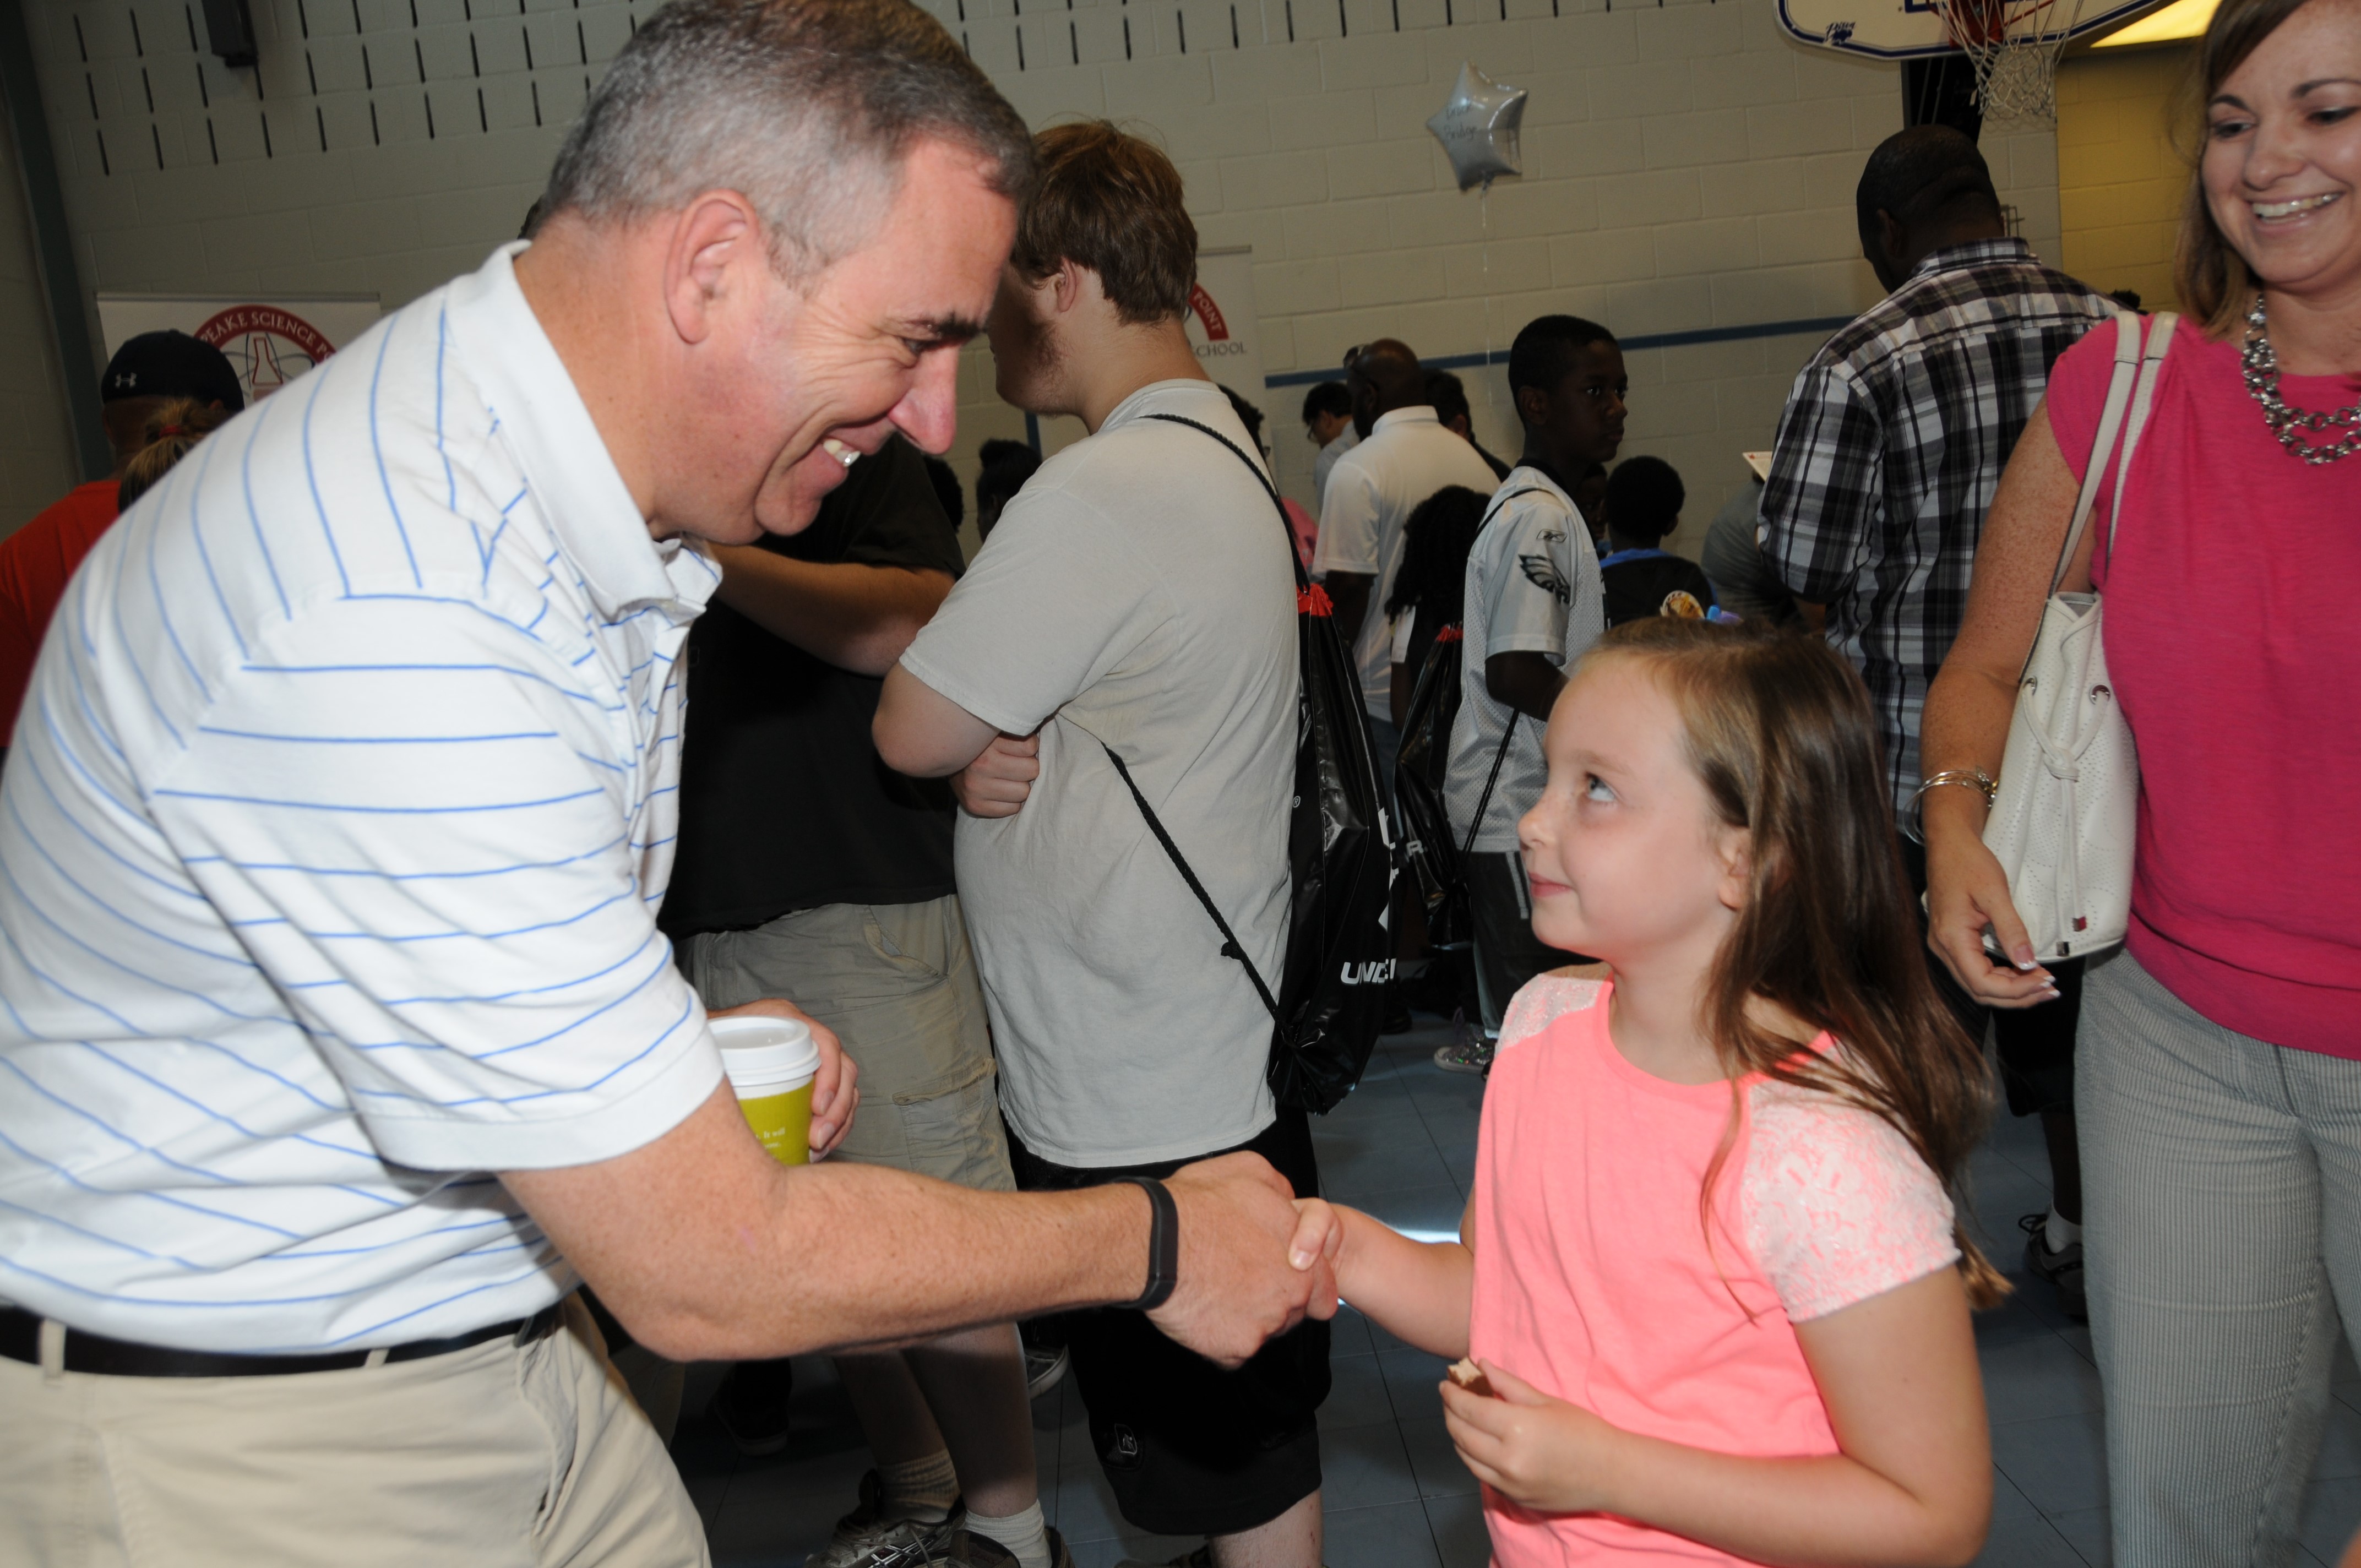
<point x="335" y="1032"/>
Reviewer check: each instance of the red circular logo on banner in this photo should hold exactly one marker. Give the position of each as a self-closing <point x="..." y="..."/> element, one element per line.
<point x="1209" y="314"/>
<point x="268" y="346"/>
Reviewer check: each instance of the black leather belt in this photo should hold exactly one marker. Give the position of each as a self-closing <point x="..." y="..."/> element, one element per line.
<point x="20" y="1340"/>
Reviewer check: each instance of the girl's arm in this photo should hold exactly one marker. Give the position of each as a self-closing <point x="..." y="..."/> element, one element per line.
<point x="1911" y="1486"/>
<point x="1418" y="1292"/>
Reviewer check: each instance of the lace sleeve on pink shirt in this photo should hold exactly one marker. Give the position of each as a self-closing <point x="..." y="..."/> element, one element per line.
<point x="1541" y="1001"/>
<point x="1837" y="1205"/>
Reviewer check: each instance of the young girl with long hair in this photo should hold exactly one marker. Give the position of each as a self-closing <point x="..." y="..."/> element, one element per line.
<point x="1710" y="1271"/>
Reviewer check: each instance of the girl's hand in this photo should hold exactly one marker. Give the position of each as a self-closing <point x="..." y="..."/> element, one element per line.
<point x="1319" y="1234"/>
<point x="1539" y="1452"/>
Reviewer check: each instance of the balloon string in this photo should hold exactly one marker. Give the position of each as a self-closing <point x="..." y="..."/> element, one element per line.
<point x="1484" y="218"/>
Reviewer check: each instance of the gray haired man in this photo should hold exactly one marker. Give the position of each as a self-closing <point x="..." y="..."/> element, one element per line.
<point x="339" y="1039"/>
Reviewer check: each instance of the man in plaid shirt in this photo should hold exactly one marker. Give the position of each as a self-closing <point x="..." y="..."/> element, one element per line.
<point x="1886" y="461"/>
<point x="1895" y="437"/>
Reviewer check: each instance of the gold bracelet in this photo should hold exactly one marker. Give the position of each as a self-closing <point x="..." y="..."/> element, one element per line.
<point x="1975" y="779"/>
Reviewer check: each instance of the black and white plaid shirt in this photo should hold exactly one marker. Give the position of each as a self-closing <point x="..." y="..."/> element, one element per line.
<point x="1888" y="455"/>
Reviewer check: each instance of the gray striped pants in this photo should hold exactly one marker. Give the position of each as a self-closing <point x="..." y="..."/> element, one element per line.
<point x="2222" y="1181"/>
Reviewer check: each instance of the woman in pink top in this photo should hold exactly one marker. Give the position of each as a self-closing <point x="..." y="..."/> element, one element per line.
<point x="2219" y="1072"/>
<point x="1710" y="1271"/>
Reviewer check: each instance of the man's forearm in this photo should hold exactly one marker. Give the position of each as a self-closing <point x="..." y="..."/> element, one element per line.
<point x="855" y="616"/>
<point x="1348" y="595"/>
<point x="851" y="1240"/>
<point x="921" y="732"/>
<point x="706" y="1249"/>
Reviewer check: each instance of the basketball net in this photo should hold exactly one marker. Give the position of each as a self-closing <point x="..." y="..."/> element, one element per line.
<point x="2014" y="46"/>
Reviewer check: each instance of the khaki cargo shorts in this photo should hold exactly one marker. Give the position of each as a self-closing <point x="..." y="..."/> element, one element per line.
<point x="898" y="984"/>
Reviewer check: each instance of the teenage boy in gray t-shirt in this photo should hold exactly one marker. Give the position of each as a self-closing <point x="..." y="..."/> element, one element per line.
<point x="1135" y="596"/>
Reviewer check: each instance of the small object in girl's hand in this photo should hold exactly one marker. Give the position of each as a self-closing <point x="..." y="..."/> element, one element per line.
<point x="1470" y="1377"/>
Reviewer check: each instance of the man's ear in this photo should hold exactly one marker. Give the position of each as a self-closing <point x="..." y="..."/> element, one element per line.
<point x="712" y="243"/>
<point x="1072" y="285"/>
<point x="1532" y="405"/>
<point x="1892" y="240"/>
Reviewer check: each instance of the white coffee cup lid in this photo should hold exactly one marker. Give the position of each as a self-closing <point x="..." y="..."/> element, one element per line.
<point x="765" y="1053"/>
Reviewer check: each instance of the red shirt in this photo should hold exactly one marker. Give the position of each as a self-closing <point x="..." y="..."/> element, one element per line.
<point x="36" y="562"/>
<point x="2227" y="646"/>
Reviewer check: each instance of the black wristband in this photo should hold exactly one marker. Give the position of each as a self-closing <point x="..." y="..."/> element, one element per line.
<point x="1163" y="1244"/>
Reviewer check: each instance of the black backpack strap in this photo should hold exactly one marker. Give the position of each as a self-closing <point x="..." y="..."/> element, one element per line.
<point x="1231" y="948"/>
<point x="1484" y="803"/>
<point x="1286" y="524"/>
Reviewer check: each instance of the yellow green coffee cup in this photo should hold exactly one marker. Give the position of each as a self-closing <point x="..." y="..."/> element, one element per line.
<point x="771" y="1062"/>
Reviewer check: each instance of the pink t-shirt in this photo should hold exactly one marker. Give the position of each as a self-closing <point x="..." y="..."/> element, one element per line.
<point x="1594" y="1279"/>
<point x="2235" y="571"/>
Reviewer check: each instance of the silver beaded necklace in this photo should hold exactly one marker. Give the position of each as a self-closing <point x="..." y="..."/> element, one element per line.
<point x="2294" y="427"/>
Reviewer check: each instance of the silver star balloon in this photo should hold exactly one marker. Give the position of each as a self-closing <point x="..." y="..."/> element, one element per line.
<point x="1477" y="127"/>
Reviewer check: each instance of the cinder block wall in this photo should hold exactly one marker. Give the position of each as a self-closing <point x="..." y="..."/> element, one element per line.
<point x="37" y="462"/>
<point x="1688" y="169"/>
<point x="2121" y="179"/>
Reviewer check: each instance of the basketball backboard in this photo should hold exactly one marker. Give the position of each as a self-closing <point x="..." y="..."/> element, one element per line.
<point x="1903" y="29"/>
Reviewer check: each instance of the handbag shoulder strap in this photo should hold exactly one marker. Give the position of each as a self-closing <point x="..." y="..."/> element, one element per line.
<point x="1231" y="946"/>
<point x="2161" y="334"/>
<point x="1301" y="580"/>
<point x="2128" y="330"/>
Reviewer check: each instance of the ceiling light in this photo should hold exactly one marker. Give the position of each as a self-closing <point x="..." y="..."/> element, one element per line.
<point x="2180" y="19"/>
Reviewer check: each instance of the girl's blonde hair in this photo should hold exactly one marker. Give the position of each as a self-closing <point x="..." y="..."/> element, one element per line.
<point x="1779" y="730"/>
<point x="2209" y="274"/>
<point x="169" y="433"/>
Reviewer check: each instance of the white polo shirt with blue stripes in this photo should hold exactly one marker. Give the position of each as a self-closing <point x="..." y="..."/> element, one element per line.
<point x="330" y="850"/>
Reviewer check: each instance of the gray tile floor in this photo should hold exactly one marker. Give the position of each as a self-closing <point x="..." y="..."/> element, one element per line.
<point x="1404" y="1148"/>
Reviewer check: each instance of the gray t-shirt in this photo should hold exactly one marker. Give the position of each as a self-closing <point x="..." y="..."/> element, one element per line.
<point x="1532" y="587"/>
<point x="1138" y="591"/>
<point x="1743" y="581"/>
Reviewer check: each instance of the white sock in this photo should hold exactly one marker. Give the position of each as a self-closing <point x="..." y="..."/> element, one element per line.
<point x="1025" y="1534"/>
<point x="2059" y="1232"/>
<point x="922" y="1489"/>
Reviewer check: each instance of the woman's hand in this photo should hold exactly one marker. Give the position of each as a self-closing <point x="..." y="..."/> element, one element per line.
<point x="1539" y="1452"/>
<point x="1966" y="892"/>
<point x="836" y="1092"/>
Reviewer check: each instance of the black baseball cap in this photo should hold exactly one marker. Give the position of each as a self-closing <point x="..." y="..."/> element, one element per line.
<point x="172" y="365"/>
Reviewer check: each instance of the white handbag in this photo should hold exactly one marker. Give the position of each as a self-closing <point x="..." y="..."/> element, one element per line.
<point x="2063" y="817"/>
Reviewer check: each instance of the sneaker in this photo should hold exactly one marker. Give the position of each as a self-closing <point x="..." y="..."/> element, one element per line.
<point x="2062" y="1267"/>
<point x="751" y="1404"/>
<point x="1468" y="1051"/>
<point x="1044" y="1369"/>
<point x="865" y="1538"/>
<point x="970" y="1550"/>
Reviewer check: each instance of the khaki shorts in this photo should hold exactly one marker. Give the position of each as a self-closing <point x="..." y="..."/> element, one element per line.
<point x="495" y="1456"/>
<point x="898" y="984"/>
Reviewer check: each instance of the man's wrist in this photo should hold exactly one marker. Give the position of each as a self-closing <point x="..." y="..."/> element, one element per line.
<point x="1163" y="1244"/>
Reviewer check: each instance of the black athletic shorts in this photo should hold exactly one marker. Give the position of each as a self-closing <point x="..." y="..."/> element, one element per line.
<point x="1190" y="1448"/>
<point x="2036" y="1044"/>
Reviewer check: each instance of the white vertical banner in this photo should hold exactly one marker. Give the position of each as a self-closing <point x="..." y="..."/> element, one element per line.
<point x="1224" y="327"/>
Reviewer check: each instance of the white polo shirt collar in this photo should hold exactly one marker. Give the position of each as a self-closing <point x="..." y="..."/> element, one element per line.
<point x="549" y="427"/>
<point x="1421" y="413"/>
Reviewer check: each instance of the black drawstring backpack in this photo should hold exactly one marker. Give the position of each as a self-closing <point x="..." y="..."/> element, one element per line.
<point x="1329" y="1003"/>
<point x="1430" y="862"/>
